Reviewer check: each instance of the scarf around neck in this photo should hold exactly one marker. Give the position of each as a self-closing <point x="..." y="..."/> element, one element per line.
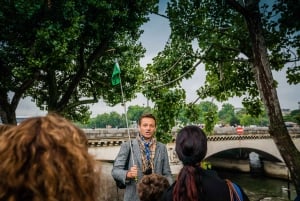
<point x="147" y="152"/>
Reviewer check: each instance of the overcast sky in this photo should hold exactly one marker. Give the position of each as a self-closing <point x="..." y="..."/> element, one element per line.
<point x="155" y="36"/>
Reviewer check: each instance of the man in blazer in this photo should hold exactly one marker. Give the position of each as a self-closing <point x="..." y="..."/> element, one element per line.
<point x="144" y="154"/>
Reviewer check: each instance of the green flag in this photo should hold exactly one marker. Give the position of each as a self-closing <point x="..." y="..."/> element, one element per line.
<point x="115" y="78"/>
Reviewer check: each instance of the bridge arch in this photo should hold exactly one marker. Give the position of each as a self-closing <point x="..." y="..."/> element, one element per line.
<point x="243" y="154"/>
<point x="222" y="143"/>
<point x="263" y="143"/>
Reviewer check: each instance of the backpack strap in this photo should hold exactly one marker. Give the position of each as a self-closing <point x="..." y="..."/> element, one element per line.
<point x="234" y="191"/>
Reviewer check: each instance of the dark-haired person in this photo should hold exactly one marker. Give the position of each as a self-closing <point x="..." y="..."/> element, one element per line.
<point x="149" y="156"/>
<point x="194" y="183"/>
<point x="152" y="186"/>
<point x="46" y="158"/>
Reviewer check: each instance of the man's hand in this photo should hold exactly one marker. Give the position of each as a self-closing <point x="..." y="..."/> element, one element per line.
<point x="132" y="172"/>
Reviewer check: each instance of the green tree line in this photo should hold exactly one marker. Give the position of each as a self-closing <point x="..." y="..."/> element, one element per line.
<point x="227" y="115"/>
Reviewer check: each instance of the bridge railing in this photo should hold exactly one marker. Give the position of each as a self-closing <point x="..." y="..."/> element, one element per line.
<point x="122" y="133"/>
<point x="110" y="133"/>
<point x="251" y="130"/>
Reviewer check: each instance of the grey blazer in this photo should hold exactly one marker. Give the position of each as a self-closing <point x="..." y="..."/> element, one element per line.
<point x="161" y="166"/>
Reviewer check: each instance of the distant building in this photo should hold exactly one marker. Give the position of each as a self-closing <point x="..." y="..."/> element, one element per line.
<point x="290" y="124"/>
<point x="285" y="111"/>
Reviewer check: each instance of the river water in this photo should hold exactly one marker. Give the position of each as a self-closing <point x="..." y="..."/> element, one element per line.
<point x="258" y="188"/>
<point x="261" y="187"/>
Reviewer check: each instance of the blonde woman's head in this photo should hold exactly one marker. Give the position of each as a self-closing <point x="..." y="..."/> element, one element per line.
<point x="46" y="158"/>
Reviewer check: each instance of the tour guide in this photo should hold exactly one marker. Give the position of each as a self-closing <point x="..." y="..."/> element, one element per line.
<point x="147" y="156"/>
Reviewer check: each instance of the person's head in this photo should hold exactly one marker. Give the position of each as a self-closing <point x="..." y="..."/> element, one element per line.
<point x="191" y="148"/>
<point x="147" y="126"/>
<point x="151" y="187"/>
<point x="46" y="158"/>
<point x="191" y="145"/>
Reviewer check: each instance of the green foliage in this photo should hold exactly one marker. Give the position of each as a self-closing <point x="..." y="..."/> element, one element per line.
<point x="293" y="74"/>
<point x="182" y="119"/>
<point x="253" y="106"/>
<point x="61" y="53"/>
<point x="167" y="108"/>
<point x="210" y="119"/>
<point x="246" y="119"/>
<point x="134" y="112"/>
<point x="192" y="113"/>
<point x="294" y="116"/>
<point x="116" y="120"/>
<point x="82" y="112"/>
<point x="206" y="165"/>
<point x="203" y="113"/>
<point x="234" y="121"/>
<point x="226" y="114"/>
<point x="112" y="119"/>
<point x="207" y="110"/>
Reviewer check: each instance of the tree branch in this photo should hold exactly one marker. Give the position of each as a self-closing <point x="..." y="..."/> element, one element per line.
<point x="81" y="102"/>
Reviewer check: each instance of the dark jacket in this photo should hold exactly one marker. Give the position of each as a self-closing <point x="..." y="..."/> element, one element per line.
<point x="214" y="188"/>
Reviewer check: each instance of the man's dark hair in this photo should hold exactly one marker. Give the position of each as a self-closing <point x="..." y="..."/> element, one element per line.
<point x="146" y="115"/>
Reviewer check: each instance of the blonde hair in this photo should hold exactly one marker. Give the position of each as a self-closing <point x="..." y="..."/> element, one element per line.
<point x="46" y="158"/>
<point x="5" y="127"/>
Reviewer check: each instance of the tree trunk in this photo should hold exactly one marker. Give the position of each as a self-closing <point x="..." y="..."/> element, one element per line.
<point x="8" y="116"/>
<point x="7" y="110"/>
<point x="268" y="93"/>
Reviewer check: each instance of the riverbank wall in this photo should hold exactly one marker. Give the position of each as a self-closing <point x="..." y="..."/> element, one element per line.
<point x="269" y="168"/>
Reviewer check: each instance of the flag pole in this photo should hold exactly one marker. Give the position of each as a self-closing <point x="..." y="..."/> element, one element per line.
<point x="126" y="117"/>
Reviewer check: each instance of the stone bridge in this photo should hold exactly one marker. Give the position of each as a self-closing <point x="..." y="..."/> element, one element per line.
<point x="104" y="144"/>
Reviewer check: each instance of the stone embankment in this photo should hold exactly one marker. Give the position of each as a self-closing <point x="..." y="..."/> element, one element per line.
<point x="270" y="168"/>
